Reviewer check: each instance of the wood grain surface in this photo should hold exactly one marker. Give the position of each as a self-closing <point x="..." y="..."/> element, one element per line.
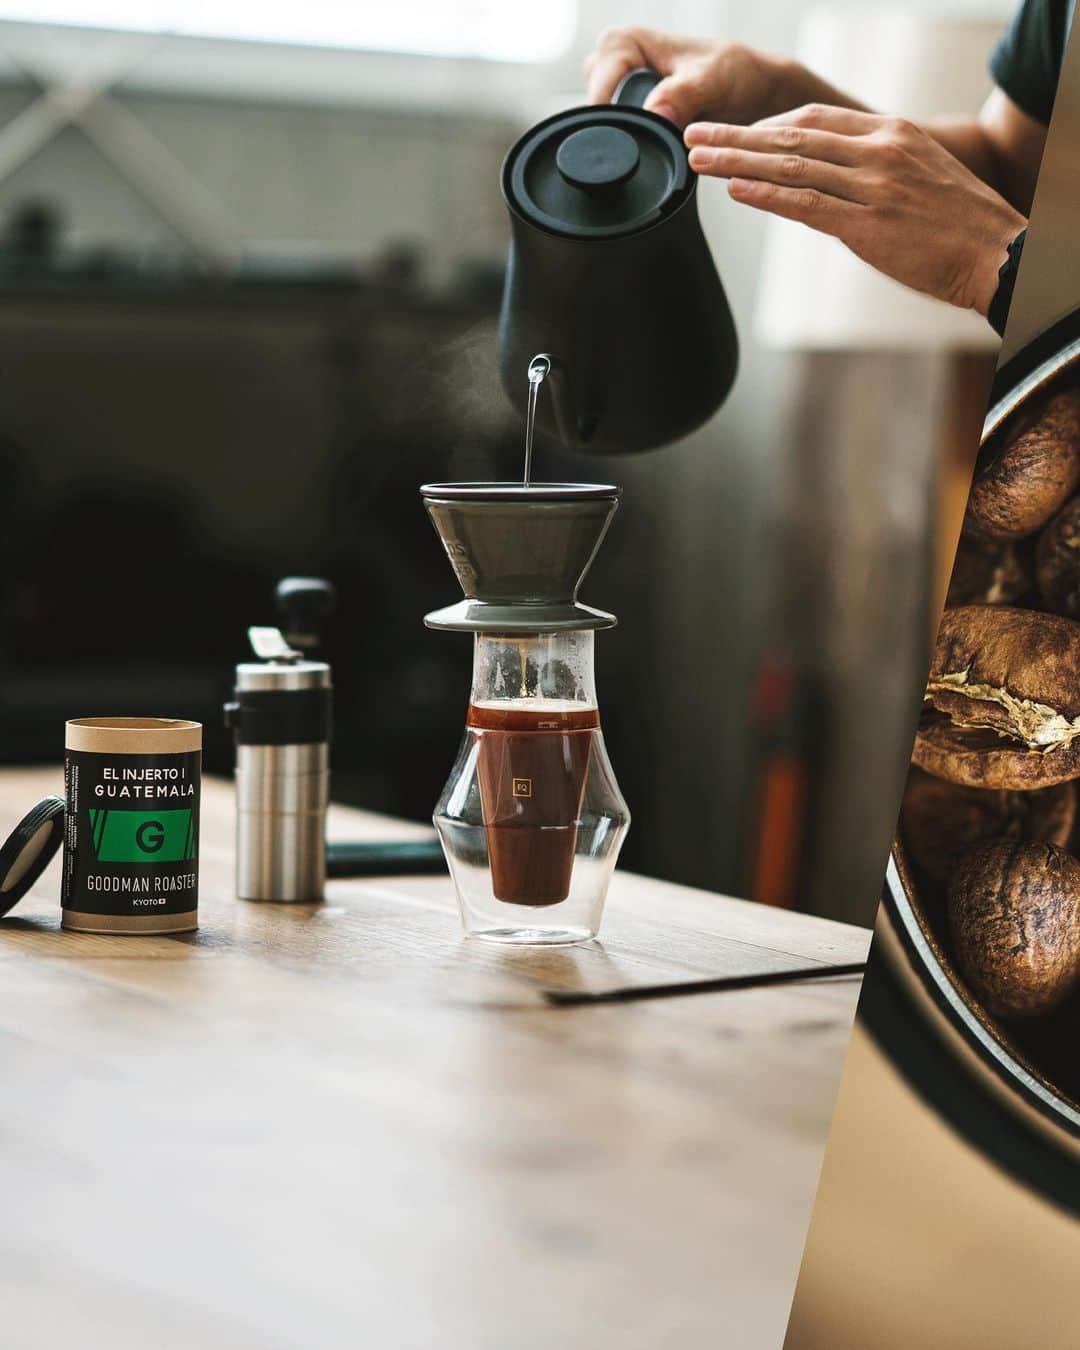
<point x="345" y="1125"/>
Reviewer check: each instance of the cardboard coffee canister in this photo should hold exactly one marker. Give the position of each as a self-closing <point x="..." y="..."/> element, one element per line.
<point x="131" y="837"/>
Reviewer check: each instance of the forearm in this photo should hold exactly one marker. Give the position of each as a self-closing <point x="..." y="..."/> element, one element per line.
<point x="793" y="85"/>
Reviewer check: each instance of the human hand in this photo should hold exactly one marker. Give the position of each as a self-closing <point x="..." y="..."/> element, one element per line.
<point x="881" y="185"/>
<point x="702" y="77"/>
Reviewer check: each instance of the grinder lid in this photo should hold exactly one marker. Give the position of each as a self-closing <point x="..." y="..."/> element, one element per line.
<point x="29" y="849"/>
<point x="600" y="172"/>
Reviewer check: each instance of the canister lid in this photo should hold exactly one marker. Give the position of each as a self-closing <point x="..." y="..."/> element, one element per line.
<point x="29" y="849"/>
<point x="133" y="735"/>
<point x="598" y="172"/>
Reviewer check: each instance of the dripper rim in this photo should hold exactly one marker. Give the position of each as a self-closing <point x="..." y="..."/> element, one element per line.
<point x="517" y="618"/>
<point x="518" y="492"/>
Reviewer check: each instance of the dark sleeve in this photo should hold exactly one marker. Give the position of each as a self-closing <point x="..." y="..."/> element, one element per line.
<point x="1027" y="60"/>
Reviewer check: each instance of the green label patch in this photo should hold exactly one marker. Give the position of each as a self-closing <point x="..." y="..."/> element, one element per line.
<point x="142" y="836"/>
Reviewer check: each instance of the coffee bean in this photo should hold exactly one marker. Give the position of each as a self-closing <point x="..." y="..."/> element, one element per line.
<point x="1029" y="469"/>
<point x="1002" y="702"/>
<point x="941" y="821"/>
<point x="1057" y="561"/>
<point x="987" y="573"/>
<point x="1014" y="914"/>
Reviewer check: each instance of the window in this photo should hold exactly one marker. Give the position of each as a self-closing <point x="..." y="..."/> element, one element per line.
<point x="487" y="29"/>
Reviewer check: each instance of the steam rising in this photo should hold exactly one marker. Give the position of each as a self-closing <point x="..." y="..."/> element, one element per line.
<point x="466" y="407"/>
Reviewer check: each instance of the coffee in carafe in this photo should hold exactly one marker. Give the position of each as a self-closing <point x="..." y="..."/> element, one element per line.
<point x="531" y="765"/>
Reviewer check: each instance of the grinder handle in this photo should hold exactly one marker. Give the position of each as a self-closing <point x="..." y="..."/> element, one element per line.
<point x="374" y="859"/>
<point x="636" y="86"/>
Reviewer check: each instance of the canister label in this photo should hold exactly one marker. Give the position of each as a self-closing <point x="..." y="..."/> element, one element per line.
<point x="132" y="841"/>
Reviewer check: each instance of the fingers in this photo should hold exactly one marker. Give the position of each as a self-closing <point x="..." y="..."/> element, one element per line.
<point x="817" y="209"/>
<point x="679" y="98"/>
<point x="618" y="51"/>
<point x="816" y="148"/>
<point x="826" y="117"/>
<point x="605" y="72"/>
<point x="783" y="170"/>
<point x="775" y="140"/>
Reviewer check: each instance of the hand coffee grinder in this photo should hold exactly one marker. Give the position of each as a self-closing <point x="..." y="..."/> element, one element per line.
<point x="280" y="715"/>
<point x="531" y="819"/>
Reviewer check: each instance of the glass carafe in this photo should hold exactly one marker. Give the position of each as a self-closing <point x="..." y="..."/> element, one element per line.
<point x="531" y="818"/>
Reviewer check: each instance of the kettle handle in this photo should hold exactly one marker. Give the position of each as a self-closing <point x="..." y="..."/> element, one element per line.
<point x="636" y="86"/>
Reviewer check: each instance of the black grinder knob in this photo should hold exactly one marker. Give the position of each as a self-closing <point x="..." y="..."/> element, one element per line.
<point x="304" y="603"/>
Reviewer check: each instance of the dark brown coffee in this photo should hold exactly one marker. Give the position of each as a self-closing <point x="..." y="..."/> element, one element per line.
<point x="532" y="761"/>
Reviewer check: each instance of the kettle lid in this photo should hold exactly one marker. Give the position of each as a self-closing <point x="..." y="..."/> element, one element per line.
<point x="598" y="172"/>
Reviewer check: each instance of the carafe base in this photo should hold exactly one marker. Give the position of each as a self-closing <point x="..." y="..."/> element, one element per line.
<point x="537" y="935"/>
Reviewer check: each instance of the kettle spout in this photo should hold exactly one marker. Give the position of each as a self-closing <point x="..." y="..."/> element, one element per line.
<point x="573" y="423"/>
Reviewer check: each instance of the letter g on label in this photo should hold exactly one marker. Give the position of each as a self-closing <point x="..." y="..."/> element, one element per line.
<point x="150" y="836"/>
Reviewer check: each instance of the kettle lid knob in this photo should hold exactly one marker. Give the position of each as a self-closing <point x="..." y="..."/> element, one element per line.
<point x="598" y="157"/>
<point x="600" y="172"/>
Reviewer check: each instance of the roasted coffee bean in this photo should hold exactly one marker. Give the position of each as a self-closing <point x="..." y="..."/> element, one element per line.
<point x="1029" y="469"/>
<point x="1057" y="561"/>
<point x="941" y="821"/>
<point x="987" y="573"/>
<point x="1014" y="914"/>
<point x="1002" y="705"/>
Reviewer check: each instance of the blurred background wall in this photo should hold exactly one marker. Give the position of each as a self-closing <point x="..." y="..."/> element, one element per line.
<point x="249" y="296"/>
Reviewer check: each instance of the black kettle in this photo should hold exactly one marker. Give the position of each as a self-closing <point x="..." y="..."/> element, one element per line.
<point x="610" y="276"/>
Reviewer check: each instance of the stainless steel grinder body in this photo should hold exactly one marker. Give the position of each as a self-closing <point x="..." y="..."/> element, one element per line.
<point x="281" y="717"/>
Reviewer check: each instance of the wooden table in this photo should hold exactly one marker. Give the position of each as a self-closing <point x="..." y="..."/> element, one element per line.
<point x="343" y="1125"/>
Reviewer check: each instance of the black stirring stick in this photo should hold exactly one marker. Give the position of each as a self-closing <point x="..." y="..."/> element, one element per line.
<point x="564" y="998"/>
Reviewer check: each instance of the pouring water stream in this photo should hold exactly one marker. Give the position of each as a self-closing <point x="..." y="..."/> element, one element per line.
<point x="539" y="367"/>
